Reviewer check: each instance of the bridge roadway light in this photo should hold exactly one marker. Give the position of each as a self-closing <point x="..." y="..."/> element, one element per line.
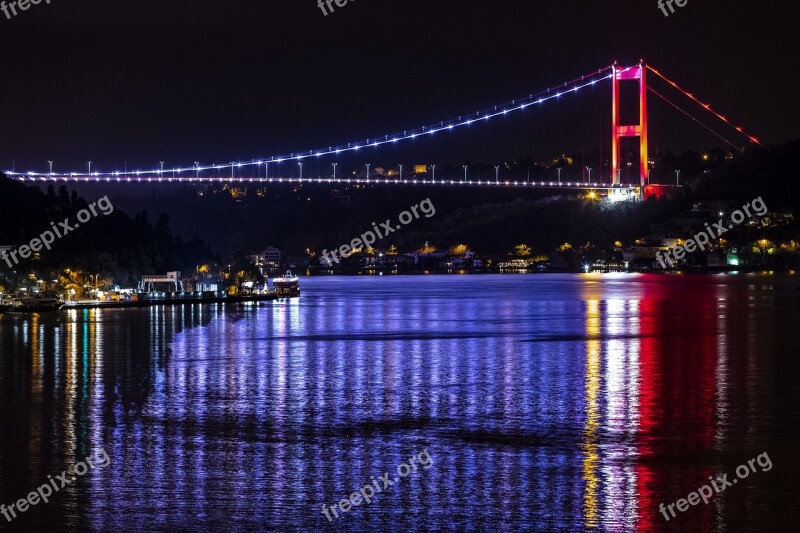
<point x="51" y="168"/>
<point x="401" y="172"/>
<point x="497" y="174"/>
<point x="90" y="167"/>
<point x="368" y="165"/>
<point x="465" y="173"/>
<point x="334" y="170"/>
<point x="559" y="175"/>
<point x="433" y="179"/>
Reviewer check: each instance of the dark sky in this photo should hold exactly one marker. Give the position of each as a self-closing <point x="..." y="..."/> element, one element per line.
<point x="143" y="81"/>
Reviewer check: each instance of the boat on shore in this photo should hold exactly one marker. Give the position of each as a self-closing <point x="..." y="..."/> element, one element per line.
<point x="287" y="285"/>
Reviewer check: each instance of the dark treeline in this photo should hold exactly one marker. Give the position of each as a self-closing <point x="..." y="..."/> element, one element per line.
<point x="236" y="219"/>
<point x="115" y="246"/>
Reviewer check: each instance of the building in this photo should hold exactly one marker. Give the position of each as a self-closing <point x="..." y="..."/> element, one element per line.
<point x="632" y="253"/>
<point x="171" y="282"/>
<point x="270" y="258"/>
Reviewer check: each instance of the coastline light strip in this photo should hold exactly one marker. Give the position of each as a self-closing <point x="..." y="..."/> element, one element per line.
<point x="504" y="109"/>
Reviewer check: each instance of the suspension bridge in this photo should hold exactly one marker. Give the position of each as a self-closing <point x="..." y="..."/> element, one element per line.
<point x="259" y="170"/>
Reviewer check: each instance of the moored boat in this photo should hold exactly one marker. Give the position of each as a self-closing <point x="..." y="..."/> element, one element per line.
<point x="287" y="285"/>
<point x="34" y="303"/>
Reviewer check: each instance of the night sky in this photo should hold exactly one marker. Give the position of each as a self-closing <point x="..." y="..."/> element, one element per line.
<point x="183" y="81"/>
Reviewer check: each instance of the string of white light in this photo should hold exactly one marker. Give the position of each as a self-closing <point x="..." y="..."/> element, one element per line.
<point x="500" y="110"/>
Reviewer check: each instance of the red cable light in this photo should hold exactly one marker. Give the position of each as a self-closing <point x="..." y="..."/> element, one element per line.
<point x="707" y="106"/>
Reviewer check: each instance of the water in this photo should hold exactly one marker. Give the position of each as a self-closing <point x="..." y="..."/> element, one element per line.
<point x="545" y="403"/>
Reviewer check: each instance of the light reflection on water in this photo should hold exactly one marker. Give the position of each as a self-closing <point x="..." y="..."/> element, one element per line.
<point x="546" y="402"/>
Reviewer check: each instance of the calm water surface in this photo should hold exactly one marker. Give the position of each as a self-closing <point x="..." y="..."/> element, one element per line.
<point x="546" y="402"/>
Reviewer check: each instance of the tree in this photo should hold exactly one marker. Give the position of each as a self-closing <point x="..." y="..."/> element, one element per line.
<point x="522" y="250"/>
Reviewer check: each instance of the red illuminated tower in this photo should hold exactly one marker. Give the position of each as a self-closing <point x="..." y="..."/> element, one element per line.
<point x="637" y="130"/>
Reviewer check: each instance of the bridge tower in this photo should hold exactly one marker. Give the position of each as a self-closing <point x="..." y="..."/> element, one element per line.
<point x="637" y="72"/>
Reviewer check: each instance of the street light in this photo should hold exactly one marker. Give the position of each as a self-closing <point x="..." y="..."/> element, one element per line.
<point x="301" y="170"/>
<point x="678" y="178"/>
<point x="497" y="174"/>
<point x="90" y="167"/>
<point x="197" y="169"/>
<point x="559" y="175"/>
<point x="465" y="172"/>
<point x="334" y="170"/>
<point x="160" y="172"/>
<point x="401" y="172"/>
<point x="590" y="173"/>
<point x="368" y="165"/>
<point x="434" y="173"/>
<point x="51" y="168"/>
